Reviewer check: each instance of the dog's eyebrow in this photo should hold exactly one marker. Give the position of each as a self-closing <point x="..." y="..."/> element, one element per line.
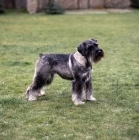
<point x="90" y="44"/>
<point x="95" y="43"/>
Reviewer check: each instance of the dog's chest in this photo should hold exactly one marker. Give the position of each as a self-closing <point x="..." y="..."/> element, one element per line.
<point x="86" y="76"/>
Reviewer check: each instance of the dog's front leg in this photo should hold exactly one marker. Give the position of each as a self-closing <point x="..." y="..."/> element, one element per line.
<point x="89" y="90"/>
<point x="77" y="88"/>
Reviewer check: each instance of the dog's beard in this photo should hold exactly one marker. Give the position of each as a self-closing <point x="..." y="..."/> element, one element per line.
<point x="97" y="57"/>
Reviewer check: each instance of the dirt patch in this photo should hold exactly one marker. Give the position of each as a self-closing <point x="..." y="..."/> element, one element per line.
<point x="103" y="11"/>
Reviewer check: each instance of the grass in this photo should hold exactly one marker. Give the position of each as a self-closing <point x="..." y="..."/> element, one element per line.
<point x="115" y="115"/>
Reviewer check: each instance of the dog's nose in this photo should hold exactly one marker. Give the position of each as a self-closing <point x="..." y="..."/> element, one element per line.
<point x="99" y="52"/>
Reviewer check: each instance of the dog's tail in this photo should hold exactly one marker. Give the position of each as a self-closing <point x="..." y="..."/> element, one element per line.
<point x="41" y="54"/>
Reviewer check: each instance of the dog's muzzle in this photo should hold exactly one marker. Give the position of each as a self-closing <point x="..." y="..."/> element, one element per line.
<point x="99" y="53"/>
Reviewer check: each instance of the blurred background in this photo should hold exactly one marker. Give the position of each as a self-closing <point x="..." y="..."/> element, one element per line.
<point x="34" y="6"/>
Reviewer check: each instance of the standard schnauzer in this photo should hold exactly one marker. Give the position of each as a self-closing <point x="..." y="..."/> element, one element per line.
<point x="76" y="67"/>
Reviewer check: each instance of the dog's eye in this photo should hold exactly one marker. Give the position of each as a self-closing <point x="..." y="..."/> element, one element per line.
<point x="90" y="46"/>
<point x="96" y="45"/>
<point x="93" y="46"/>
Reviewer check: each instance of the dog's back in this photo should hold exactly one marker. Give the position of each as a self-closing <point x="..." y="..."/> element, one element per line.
<point x="56" y="63"/>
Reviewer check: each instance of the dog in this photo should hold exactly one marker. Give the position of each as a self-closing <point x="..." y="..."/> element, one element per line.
<point x="76" y="67"/>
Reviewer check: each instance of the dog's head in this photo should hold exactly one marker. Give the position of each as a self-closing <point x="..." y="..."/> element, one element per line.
<point x="90" y="50"/>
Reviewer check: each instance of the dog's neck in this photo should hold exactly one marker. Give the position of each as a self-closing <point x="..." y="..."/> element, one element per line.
<point x="82" y="60"/>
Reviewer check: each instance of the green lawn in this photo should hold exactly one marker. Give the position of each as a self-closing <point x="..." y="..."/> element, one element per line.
<point x="115" y="115"/>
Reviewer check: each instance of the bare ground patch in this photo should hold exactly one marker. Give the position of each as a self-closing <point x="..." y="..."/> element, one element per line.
<point x="102" y="11"/>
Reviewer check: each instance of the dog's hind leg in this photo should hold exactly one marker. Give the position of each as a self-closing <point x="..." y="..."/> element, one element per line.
<point x="42" y="92"/>
<point x="34" y="90"/>
<point x="37" y="87"/>
<point x="30" y="95"/>
<point x="49" y="79"/>
<point x="42" y="77"/>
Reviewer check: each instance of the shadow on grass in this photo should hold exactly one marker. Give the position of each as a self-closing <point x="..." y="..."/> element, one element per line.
<point x="65" y="100"/>
<point x="42" y="98"/>
<point x="17" y="63"/>
<point x="11" y="101"/>
<point x="133" y="133"/>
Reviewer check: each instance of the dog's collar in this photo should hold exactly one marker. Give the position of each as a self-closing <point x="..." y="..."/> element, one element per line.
<point x="79" y="58"/>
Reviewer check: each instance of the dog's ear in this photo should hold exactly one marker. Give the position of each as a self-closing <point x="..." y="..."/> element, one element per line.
<point x="82" y="48"/>
<point x="41" y="54"/>
<point x="95" y="41"/>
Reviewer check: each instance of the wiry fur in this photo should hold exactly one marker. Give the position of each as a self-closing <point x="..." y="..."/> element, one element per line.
<point x="76" y="67"/>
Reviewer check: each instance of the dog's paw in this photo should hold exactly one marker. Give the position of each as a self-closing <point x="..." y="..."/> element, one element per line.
<point x="31" y="98"/>
<point x="79" y="103"/>
<point x="76" y="100"/>
<point x="91" y="98"/>
<point x="42" y="93"/>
